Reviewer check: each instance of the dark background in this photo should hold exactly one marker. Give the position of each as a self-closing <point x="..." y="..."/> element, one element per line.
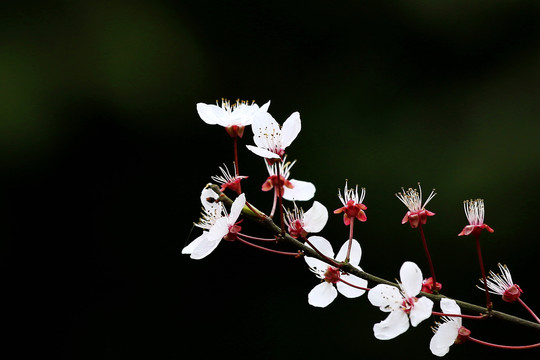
<point x="103" y="158"/>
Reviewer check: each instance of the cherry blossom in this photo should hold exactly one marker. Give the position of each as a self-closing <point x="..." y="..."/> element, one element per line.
<point x="324" y="293"/>
<point x="474" y="210"/>
<point x="270" y="139"/>
<point x="417" y="213"/>
<point x="447" y="332"/>
<point x="234" y="117"/>
<point x="290" y="189"/>
<point x="217" y="225"/>
<point x="228" y="181"/>
<point x="301" y="223"/>
<point x="401" y="303"/>
<point x="502" y="284"/>
<point x="352" y="204"/>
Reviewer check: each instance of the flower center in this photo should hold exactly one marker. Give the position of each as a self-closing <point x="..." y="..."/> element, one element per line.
<point x="512" y="293"/>
<point x="408" y="304"/>
<point x="332" y="275"/>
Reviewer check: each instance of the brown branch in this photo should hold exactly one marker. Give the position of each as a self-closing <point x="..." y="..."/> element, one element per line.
<point x="254" y="215"/>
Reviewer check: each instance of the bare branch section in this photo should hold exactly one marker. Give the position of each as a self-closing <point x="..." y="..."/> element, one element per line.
<point x="253" y="214"/>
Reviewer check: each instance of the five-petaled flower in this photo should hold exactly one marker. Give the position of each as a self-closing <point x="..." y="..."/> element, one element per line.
<point x="228" y="181"/>
<point x="401" y="302"/>
<point x="450" y="331"/>
<point x="290" y="189"/>
<point x="217" y="224"/>
<point x="502" y="284"/>
<point x="352" y="204"/>
<point x="233" y="117"/>
<point x="270" y="139"/>
<point x="417" y="213"/>
<point x="300" y="223"/>
<point x="474" y="210"/>
<point x="324" y="293"/>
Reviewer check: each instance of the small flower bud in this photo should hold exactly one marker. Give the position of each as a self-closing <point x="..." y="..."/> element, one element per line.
<point x="463" y="335"/>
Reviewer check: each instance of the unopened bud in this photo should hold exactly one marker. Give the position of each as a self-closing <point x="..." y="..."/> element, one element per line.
<point x="463" y="335"/>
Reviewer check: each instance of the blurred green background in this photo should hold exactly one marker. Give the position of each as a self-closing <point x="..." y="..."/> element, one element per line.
<point x="103" y="157"/>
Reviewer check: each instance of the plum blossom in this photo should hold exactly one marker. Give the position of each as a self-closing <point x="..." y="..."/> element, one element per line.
<point x="417" y="213"/>
<point x="449" y="331"/>
<point x="324" y="293"/>
<point x="290" y="189"/>
<point x="270" y="139"/>
<point x="502" y="284"/>
<point x="234" y="117"/>
<point x="352" y="204"/>
<point x="401" y="303"/>
<point x="300" y="223"/>
<point x="217" y="225"/>
<point x="474" y="210"/>
<point x="228" y="181"/>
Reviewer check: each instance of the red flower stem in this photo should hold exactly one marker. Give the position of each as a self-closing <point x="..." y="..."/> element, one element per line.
<point x="489" y="305"/>
<point x="478" y="317"/>
<point x="257" y="238"/>
<point x="329" y="260"/>
<point x="274" y="204"/>
<point x="267" y="249"/>
<point x="280" y="196"/>
<point x="351" y="231"/>
<point x="509" y="347"/>
<point x="431" y="268"/>
<point x="354" y="286"/>
<point x="237" y="170"/>
<point x="529" y="310"/>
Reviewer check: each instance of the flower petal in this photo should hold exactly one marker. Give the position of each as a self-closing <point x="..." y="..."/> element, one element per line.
<point x="267" y="154"/>
<point x="209" y="194"/>
<point x="202" y="248"/>
<point x="444" y="337"/>
<point x="291" y="128"/>
<point x="192" y="245"/>
<point x="396" y="323"/>
<point x="411" y="278"/>
<point x="236" y="208"/>
<point x="355" y="255"/>
<point x="421" y="310"/>
<point x="315" y="218"/>
<point x="322" y="245"/>
<point x="301" y="191"/>
<point x="211" y="114"/>
<point x="264" y="125"/>
<point x="349" y="291"/>
<point x="219" y="229"/>
<point x="386" y="297"/>
<point x="322" y="295"/>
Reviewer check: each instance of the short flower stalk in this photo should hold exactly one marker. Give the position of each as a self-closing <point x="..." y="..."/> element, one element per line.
<point x="416" y="217"/>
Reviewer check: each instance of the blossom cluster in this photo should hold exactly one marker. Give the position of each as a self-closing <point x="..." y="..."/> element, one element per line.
<point x="409" y="301"/>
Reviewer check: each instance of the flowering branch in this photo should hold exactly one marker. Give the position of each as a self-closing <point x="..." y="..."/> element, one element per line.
<point x="254" y="215"/>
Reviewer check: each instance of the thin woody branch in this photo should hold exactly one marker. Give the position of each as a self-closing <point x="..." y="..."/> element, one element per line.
<point x="254" y="215"/>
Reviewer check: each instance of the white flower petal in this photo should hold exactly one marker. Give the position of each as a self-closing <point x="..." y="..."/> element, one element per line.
<point x="302" y="191"/>
<point x="291" y="128"/>
<point x="267" y="154"/>
<point x="203" y="247"/>
<point x="209" y="193"/>
<point x="386" y="297"/>
<point x="355" y="255"/>
<point x="449" y="306"/>
<point x="192" y="245"/>
<point x="315" y="218"/>
<point x="444" y="337"/>
<point x="264" y="126"/>
<point x="322" y="295"/>
<point x="411" y="278"/>
<point x="218" y="230"/>
<point x="236" y="208"/>
<point x="395" y="324"/>
<point x="211" y="114"/>
<point x="349" y="291"/>
<point x="265" y="106"/>
<point x="421" y="310"/>
<point x="322" y="245"/>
